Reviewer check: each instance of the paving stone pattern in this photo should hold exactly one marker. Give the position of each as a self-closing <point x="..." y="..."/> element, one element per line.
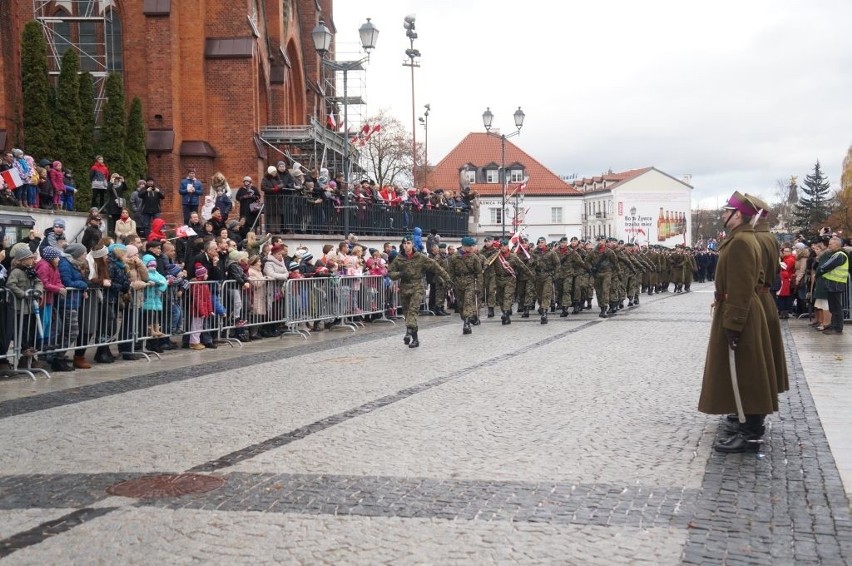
<point x="573" y="442"/>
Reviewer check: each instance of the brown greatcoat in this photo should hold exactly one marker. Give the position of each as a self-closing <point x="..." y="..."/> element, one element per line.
<point x="770" y="254"/>
<point x="738" y="308"/>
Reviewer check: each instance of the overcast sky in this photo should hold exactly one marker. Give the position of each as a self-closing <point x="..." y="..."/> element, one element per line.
<point x="737" y="94"/>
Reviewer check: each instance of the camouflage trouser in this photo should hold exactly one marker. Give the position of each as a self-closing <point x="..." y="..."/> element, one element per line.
<point x="565" y="291"/>
<point x="439" y="288"/>
<point x="585" y="284"/>
<point x="603" y="283"/>
<point x="411" y="296"/>
<point x="488" y="293"/>
<point x="632" y="285"/>
<point x="524" y="291"/>
<point x="466" y="297"/>
<point x="544" y="290"/>
<point x="505" y="292"/>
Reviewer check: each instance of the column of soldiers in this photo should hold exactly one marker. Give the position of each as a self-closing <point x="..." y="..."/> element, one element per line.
<point x="563" y="276"/>
<point x="745" y="367"/>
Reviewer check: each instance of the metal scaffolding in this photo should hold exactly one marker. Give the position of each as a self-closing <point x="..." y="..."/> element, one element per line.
<point x="92" y="28"/>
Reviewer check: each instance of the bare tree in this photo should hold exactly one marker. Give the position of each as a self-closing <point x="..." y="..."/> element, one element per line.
<point x="386" y="154"/>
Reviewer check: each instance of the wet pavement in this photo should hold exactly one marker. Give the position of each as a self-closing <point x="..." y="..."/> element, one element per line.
<point x="572" y="442"/>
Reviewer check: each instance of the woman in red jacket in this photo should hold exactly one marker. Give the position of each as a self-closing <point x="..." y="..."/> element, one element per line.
<point x="788" y="277"/>
<point x="99" y="176"/>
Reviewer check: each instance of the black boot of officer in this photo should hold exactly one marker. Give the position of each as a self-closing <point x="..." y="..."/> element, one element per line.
<point x="466" y="329"/>
<point x="414" y="341"/>
<point x="490" y="312"/>
<point x="603" y="313"/>
<point x="407" y="337"/>
<point x="543" y="314"/>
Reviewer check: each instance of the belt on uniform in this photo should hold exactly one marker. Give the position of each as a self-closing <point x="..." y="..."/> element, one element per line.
<point x="761" y="289"/>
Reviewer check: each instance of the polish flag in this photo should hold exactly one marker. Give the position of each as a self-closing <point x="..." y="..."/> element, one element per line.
<point x="330" y="122"/>
<point x="12" y="178"/>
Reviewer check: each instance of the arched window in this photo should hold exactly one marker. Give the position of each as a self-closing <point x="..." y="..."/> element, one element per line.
<point x="114" y="43"/>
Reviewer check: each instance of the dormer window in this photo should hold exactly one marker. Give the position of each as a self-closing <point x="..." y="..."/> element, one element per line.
<point x="516" y="175"/>
<point x="492" y="176"/>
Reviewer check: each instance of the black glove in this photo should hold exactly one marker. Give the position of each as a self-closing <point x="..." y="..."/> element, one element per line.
<point x="733" y="337"/>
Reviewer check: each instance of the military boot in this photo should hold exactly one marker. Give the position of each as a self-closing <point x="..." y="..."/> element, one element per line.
<point x="407" y="337"/>
<point x="506" y="318"/>
<point x="588" y="304"/>
<point x="414" y="341"/>
<point x="636" y="300"/>
<point x="552" y="307"/>
<point x="576" y="308"/>
<point x="564" y="312"/>
<point x="475" y="320"/>
<point x="490" y="312"/>
<point x="466" y="329"/>
<point x="543" y="313"/>
<point x="603" y="313"/>
<point x="613" y="309"/>
<point x="526" y="313"/>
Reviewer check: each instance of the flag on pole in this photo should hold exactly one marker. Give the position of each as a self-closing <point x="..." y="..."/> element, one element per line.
<point x="12" y="178"/>
<point x="330" y="122"/>
<point x="184" y="232"/>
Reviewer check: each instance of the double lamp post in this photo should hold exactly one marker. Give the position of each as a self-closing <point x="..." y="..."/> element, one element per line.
<point x="487" y="120"/>
<point x="322" y="37"/>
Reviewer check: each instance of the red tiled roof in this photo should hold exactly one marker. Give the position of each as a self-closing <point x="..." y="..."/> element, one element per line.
<point x="480" y="149"/>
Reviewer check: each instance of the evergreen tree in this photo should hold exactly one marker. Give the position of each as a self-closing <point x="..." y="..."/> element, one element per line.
<point x="67" y="120"/>
<point x="813" y="207"/>
<point x="113" y="127"/>
<point x="87" y="140"/>
<point x="87" y="116"/>
<point x="137" y="162"/>
<point x="38" y="126"/>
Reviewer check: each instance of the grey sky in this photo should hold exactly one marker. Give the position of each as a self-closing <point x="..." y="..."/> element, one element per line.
<point x="736" y="94"/>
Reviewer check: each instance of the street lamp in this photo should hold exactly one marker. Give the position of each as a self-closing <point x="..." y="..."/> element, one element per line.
<point x="411" y="53"/>
<point x="487" y="120"/>
<point x="322" y="37"/>
<point x="424" y="121"/>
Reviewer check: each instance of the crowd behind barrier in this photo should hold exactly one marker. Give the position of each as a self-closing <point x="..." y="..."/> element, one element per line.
<point x="198" y="312"/>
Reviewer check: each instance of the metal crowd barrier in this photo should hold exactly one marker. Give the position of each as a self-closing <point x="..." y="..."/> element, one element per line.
<point x="847" y="302"/>
<point x="63" y="325"/>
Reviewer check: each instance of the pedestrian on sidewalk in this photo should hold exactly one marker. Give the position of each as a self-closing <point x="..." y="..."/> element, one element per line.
<point x="834" y="273"/>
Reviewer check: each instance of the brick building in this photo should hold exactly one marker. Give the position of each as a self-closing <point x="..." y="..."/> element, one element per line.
<point x="214" y="76"/>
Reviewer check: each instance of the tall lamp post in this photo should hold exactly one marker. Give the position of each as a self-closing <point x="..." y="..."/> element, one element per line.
<point x="424" y="121"/>
<point x="322" y="37"/>
<point x="487" y="120"/>
<point x="411" y="53"/>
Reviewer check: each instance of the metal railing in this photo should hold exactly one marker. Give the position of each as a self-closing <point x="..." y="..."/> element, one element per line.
<point x="285" y="213"/>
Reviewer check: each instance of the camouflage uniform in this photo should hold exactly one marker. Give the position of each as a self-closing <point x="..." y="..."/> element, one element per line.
<point x="506" y="267"/>
<point x="409" y="270"/>
<point x="604" y="264"/>
<point x="488" y="291"/>
<point x="466" y="270"/>
<point x="545" y="264"/>
<point x="572" y="268"/>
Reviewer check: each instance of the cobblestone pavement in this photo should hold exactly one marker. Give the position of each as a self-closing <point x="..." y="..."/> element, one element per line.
<point x="574" y="442"/>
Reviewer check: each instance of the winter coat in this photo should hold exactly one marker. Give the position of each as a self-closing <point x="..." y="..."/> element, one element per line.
<point x="73" y="280"/>
<point x="151" y="200"/>
<point x="50" y="278"/>
<point x="154" y="293"/>
<point x="188" y="198"/>
<point x="124" y="228"/>
<point x="57" y="179"/>
<point x="738" y="308"/>
<point x="20" y="283"/>
<point x="202" y="300"/>
<point x="787" y="274"/>
<point x="100" y="172"/>
<point x="258" y="291"/>
<point x="276" y="269"/>
<point x="156" y="234"/>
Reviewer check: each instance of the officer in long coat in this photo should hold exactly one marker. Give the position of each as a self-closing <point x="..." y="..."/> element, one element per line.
<point x="408" y="268"/>
<point x="466" y="270"/>
<point x="739" y="327"/>
<point x="770" y="255"/>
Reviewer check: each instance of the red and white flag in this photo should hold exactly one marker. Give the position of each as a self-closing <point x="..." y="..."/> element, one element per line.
<point x="330" y="122"/>
<point x="12" y="178"/>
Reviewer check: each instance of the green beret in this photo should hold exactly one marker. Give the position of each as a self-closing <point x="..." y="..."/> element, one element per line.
<point x="563" y="239"/>
<point x="468" y="241"/>
<point x="487" y="239"/>
<point x="504" y="242"/>
<point x="407" y="238"/>
<point x="442" y="245"/>
<point x="541" y="239"/>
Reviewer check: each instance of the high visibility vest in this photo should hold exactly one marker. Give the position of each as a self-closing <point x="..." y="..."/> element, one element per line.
<point x="840" y="273"/>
